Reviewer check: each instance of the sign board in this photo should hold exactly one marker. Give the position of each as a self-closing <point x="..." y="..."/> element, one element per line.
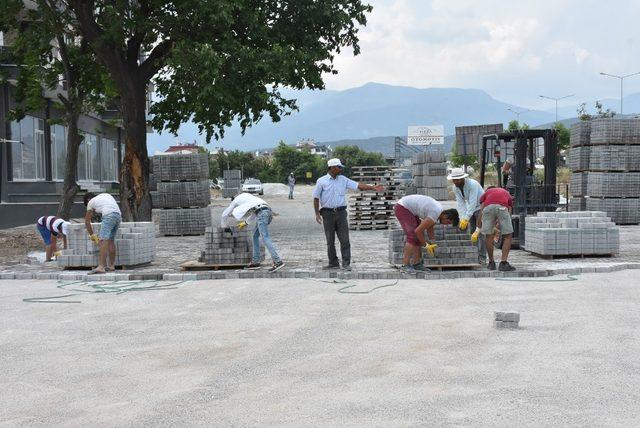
<point x="308" y="174"/>
<point x="425" y="135"/>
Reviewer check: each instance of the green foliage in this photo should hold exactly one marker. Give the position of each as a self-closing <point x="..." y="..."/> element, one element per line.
<point x="287" y="159"/>
<point x="583" y="115"/>
<point x="514" y="126"/>
<point x="351" y="156"/>
<point x="564" y="135"/>
<point x="462" y="160"/>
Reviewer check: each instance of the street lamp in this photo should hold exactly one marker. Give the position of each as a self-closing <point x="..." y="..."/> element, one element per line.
<point x="556" y="100"/>
<point x="518" y="113"/>
<point x="621" y="80"/>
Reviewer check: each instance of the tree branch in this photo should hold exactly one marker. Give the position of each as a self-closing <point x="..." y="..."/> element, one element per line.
<point x="156" y="59"/>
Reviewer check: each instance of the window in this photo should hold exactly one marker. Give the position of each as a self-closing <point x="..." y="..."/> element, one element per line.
<point x="58" y="151"/>
<point x="82" y="159"/>
<point x="28" y="157"/>
<point x="89" y="158"/>
<point x="109" y="159"/>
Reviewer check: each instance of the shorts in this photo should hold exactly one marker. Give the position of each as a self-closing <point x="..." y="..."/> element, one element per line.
<point x="109" y="226"/>
<point x="409" y="223"/>
<point x="496" y="213"/>
<point x="45" y="233"/>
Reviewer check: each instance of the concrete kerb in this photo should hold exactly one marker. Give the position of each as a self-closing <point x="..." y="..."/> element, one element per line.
<point x="312" y="274"/>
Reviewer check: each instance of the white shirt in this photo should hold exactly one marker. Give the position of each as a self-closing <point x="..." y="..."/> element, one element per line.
<point x="422" y="206"/>
<point x="469" y="203"/>
<point x="242" y="206"/>
<point x="103" y="204"/>
<point x="332" y="191"/>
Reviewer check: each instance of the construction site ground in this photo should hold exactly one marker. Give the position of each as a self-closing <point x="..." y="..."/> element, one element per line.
<point x="301" y="243"/>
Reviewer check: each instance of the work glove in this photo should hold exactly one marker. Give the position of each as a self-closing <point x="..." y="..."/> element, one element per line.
<point x="57" y="253"/>
<point x="464" y="223"/>
<point x="241" y="224"/>
<point x="475" y="235"/>
<point x="94" y="238"/>
<point x="431" y="249"/>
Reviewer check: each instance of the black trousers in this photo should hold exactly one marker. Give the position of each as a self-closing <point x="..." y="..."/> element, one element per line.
<point x="337" y="223"/>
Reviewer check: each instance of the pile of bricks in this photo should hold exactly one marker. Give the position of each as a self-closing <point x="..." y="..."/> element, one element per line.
<point x="225" y="246"/>
<point x="182" y="197"/>
<point x="454" y="248"/>
<point x="572" y="233"/>
<point x="371" y="210"/>
<point x="135" y="245"/>
<point x="232" y="182"/>
<point x="430" y="174"/>
<point x="605" y="163"/>
<point x="506" y="320"/>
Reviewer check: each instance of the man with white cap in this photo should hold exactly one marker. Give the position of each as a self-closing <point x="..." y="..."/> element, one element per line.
<point x="468" y="192"/>
<point x="330" y="205"/>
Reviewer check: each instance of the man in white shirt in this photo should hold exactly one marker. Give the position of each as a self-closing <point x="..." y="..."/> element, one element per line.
<point x="246" y="208"/>
<point x="417" y="214"/>
<point x="105" y="205"/>
<point x="330" y="205"/>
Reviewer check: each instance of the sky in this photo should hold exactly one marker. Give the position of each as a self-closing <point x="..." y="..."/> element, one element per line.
<point x="514" y="50"/>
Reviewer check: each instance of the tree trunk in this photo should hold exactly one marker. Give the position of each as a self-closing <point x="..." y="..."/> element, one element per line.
<point x="135" y="200"/>
<point x="70" y="186"/>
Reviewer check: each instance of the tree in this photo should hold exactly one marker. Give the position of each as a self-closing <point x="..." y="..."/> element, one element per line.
<point x="584" y="116"/>
<point x="515" y="126"/>
<point x="211" y="61"/>
<point x="352" y="156"/>
<point x="287" y="159"/>
<point x="564" y="136"/>
<point x="37" y="33"/>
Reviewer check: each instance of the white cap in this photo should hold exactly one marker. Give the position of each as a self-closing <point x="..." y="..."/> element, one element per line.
<point x="334" y="162"/>
<point x="457" y="174"/>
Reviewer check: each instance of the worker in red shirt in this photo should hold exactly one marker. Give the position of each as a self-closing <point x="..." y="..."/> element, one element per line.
<point x="496" y="205"/>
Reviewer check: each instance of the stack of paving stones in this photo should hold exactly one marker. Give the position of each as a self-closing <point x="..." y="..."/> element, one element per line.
<point x="430" y="174"/>
<point x="605" y="163"/>
<point x="572" y="233"/>
<point x="232" y="182"/>
<point x="135" y="245"/>
<point x="182" y="197"/>
<point x="225" y="246"/>
<point x="506" y="320"/>
<point x="371" y="210"/>
<point x="454" y="248"/>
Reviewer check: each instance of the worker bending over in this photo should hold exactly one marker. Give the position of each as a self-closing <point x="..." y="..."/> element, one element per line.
<point x="417" y="214"/>
<point x="105" y="205"/>
<point x="246" y="208"/>
<point x="496" y="206"/>
<point x="50" y="228"/>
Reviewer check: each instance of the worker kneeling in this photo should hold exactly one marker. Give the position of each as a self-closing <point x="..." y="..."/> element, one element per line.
<point x="417" y="214"/>
<point x="496" y="205"/>
<point x="50" y="228"/>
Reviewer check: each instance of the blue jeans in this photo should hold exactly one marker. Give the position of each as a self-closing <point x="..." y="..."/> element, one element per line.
<point x="290" y="191"/>
<point x="264" y="219"/>
<point x="109" y="226"/>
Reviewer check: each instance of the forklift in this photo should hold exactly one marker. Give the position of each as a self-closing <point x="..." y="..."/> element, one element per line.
<point x="529" y="196"/>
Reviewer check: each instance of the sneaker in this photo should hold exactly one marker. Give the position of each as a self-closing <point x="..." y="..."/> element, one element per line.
<point x="491" y="265"/>
<point x="329" y="267"/>
<point x="276" y="266"/>
<point x="407" y="269"/>
<point x="253" y="266"/>
<point x="420" y="268"/>
<point x="347" y="268"/>
<point x="505" y="267"/>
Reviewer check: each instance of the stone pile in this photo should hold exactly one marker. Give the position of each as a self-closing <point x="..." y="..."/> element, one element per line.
<point x="429" y="171"/>
<point x="368" y="209"/>
<point x="182" y="195"/>
<point x="232" y="182"/>
<point x="135" y="245"/>
<point x="506" y="320"/>
<point x="571" y="233"/>
<point x="226" y="246"/>
<point x="454" y="248"/>
<point x="605" y="163"/>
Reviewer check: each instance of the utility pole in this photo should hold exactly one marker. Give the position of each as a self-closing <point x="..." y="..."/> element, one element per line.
<point x="556" y="100"/>
<point x="621" y="85"/>
<point x="518" y="113"/>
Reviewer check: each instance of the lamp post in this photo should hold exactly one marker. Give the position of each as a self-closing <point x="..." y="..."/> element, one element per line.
<point x="621" y="84"/>
<point x="518" y="113"/>
<point x="556" y="100"/>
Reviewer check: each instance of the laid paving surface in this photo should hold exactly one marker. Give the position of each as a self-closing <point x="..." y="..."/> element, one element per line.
<point x="297" y="352"/>
<point x="301" y="243"/>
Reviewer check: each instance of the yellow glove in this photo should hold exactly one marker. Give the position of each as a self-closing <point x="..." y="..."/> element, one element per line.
<point x="242" y="224"/>
<point x="475" y="235"/>
<point x="57" y="253"/>
<point x="464" y="223"/>
<point x="94" y="238"/>
<point x="431" y="249"/>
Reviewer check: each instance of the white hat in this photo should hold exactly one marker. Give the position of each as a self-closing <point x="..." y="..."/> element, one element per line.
<point x="334" y="162"/>
<point x="457" y="174"/>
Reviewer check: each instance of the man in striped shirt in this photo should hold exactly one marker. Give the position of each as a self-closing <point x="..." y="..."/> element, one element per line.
<point x="50" y="227"/>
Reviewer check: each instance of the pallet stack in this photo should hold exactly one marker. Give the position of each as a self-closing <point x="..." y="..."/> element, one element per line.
<point x="135" y="245"/>
<point x="230" y="247"/>
<point x="371" y="210"/>
<point x="576" y="233"/>
<point x="232" y="182"/>
<point x="430" y="174"/>
<point x="605" y="163"/>
<point x="182" y="197"/>
<point x="455" y="248"/>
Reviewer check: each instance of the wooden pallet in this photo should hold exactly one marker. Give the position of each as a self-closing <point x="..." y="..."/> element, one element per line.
<point x="118" y="267"/>
<point x="453" y="267"/>
<point x="570" y="256"/>
<point x="196" y="266"/>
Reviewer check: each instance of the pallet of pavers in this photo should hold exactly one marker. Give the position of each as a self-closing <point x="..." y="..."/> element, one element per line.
<point x="232" y="182"/>
<point x="580" y="233"/>
<point x="371" y="210"/>
<point x="225" y="248"/>
<point x="455" y="249"/>
<point x="429" y="170"/>
<point x="135" y="245"/>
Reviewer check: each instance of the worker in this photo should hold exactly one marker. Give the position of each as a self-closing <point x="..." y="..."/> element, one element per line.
<point x="507" y="171"/>
<point x="292" y="182"/>
<point x="50" y="228"/>
<point x="248" y="209"/>
<point x="330" y="205"/>
<point x="417" y="214"/>
<point x="105" y="205"/>
<point x="467" y="192"/>
<point x="496" y="205"/>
